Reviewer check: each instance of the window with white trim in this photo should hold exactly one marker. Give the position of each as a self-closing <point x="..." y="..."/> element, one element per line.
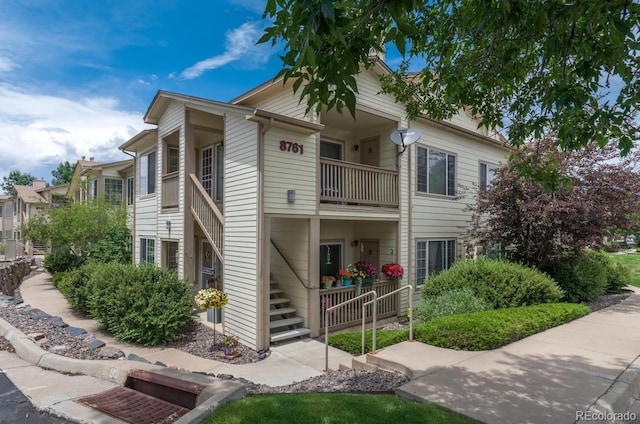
<point x="130" y="191"/>
<point x="487" y="175"/>
<point x="148" y="173"/>
<point x="433" y="256"/>
<point x="436" y="172"/>
<point x="147" y="250"/>
<point x="113" y="190"/>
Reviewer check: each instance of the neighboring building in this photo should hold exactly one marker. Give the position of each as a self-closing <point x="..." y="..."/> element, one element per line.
<point x="263" y="199"/>
<point x="6" y="217"/>
<point x="93" y="179"/>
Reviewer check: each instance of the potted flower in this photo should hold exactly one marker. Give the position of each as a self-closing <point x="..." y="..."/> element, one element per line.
<point x="328" y="280"/>
<point x="211" y="298"/>
<point x="346" y="275"/>
<point x="229" y="342"/>
<point x="368" y="270"/>
<point x="393" y="271"/>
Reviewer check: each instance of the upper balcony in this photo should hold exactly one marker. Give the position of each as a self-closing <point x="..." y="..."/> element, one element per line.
<point x="347" y="183"/>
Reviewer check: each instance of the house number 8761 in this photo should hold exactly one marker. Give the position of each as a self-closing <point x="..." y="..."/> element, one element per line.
<point x="289" y="146"/>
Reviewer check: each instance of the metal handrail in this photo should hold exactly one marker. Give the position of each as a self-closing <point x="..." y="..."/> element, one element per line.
<point x="326" y="327"/>
<point x="375" y="313"/>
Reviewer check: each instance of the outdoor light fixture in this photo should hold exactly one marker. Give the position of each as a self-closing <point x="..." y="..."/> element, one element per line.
<point x="167" y="225"/>
<point x="291" y="196"/>
<point x="328" y="255"/>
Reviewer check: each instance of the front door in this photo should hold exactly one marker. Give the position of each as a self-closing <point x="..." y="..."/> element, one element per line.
<point x="370" y="252"/>
<point x="206" y="170"/>
<point x="370" y="151"/>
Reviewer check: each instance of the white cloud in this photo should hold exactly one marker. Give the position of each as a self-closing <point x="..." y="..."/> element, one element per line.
<point x="240" y="43"/>
<point x="40" y="131"/>
<point x="7" y="64"/>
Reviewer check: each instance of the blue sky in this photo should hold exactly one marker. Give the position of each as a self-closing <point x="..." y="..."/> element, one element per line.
<point x="76" y="76"/>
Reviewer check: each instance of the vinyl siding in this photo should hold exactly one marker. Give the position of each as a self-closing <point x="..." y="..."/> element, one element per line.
<point x="281" y="100"/>
<point x="241" y="227"/>
<point x="368" y="95"/>
<point x="285" y="171"/>
<point x="439" y="217"/>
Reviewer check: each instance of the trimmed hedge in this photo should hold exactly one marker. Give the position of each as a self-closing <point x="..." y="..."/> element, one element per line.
<point x="501" y="283"/>
<point x="138" y="304"/>
<point x="492" y="329"/>
<point x="484" y="330"/>
<point x="454" y="302"/>
<point x="61" y="261"/>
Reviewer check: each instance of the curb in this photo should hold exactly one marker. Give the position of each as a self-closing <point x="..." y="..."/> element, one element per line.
<point x="217" y="393"/>
<point x="621" y="403"/>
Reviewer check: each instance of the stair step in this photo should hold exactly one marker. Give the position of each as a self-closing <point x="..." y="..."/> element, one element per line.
<point x="282" y="311"/>
<point x="290" y="334"/>
<point x="279" y="301"/>
<point x="285" y="322"/>
<point x="276" y="291"/>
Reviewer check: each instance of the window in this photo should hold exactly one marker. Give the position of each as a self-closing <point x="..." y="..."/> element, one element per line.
<point x="212" y="171"/>
<point x="432" y="256"/>
<point x="93" y="189"/>
<point x="331" y="149"/>
<point x="7" y="210"/>
<point x="1" y="209"/>
<point x="147" y="250"/>
<point x="130" y="192"/>
<point x="330" y="258"/>
<point x="113" y="190"/>
<point x="487" y="175"/>
<point x="148" y="173"/>
<point x="436" y="172"/>
<point x="173" y="159"/>
<point x="170" y="254"/>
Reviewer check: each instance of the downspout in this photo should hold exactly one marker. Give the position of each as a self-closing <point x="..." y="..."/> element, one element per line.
<point x="263" y="280"/>
<point x="133" y="230"/>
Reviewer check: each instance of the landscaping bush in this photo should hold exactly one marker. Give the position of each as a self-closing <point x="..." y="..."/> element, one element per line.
<point x="585" y="277"/>
<point x="501" y="283"/>
<point x="492" y="329"/>
<point x="75" y="286"/>
<point x="140" y="304"/>
<point x="453" y="302"/>
<point x="61" y="261"/>
<point x="352" y="342"/>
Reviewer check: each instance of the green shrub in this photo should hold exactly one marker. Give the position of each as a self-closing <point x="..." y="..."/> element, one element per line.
<point x="453" y="302"/>
<point x="61" y="261"/>
<point x="352" y="342"/>
<point x="140" y="304"/>
<point x="585" y="277"/>
<point x="75" y="286"/>
<point x="57" y="278"/>
<point x="492" y="329"/>
<point x="501" y="283"/>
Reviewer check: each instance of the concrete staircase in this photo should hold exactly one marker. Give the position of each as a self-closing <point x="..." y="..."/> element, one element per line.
<point x="284" y="323"/>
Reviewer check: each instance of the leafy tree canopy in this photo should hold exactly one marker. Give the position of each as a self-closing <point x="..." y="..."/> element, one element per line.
<point x="539" y="227"/>
<point x="96" y="228"/>
<point x="531" y="67"/>
<point x="63" y="173"/>
<point x="16" y="178"/>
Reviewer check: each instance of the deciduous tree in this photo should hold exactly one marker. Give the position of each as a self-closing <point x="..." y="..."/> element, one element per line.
<point x="570" y="67"/>
<point x="537" y="226"/>
<point x="16" y="178"/>
<point x="63" y="173"/>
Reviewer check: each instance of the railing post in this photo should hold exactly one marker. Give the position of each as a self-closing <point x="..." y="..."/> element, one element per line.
<point x="326" y="341"/>
<point x="410" y="312"/>
<point x="373" y="329"/>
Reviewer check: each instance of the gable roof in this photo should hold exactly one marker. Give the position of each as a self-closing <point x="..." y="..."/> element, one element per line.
<point x="28" y="194"/>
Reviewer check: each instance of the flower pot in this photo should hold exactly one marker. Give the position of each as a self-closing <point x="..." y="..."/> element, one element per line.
<point x="327" y="284"/>
<point x="368" y="281"/>
<point x="346" y="283"/>
<point x="229" y="350"/>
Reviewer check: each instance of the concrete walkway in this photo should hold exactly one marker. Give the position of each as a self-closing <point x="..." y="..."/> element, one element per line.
<point x="572" y="373"/>
<point x="578" y="372"/>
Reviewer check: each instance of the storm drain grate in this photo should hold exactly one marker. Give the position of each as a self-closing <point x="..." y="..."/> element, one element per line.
<point x="134" y="407"/>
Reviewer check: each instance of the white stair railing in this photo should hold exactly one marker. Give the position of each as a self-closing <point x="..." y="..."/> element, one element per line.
<point x="375" y="314"/>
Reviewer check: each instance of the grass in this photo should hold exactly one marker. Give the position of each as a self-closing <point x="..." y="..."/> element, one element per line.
<point x="328" y="408"/>
<point x="484" y="330"/>
<point x="631" y="261"/>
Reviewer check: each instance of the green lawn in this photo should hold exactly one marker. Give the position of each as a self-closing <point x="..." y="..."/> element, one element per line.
<point x="329" y="408"/>
<point x="632" y="261"/>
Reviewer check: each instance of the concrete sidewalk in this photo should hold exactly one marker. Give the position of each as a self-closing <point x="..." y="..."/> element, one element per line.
<point x="572" y="373"/>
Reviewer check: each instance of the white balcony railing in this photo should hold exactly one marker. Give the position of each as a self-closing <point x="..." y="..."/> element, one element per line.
<point x="355" y="184"/>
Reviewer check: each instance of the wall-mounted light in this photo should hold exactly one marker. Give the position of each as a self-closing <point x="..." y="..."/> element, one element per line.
<point x="167" y="225"/>
<point x="355" y="147"/>
<point x="328" y="255"/>
<point x="354" y="243"/>
<point x="291" y="196"/>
